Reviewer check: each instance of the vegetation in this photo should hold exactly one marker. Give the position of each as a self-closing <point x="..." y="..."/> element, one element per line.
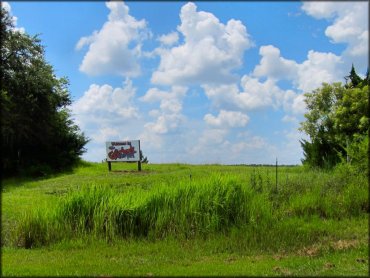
<point x="175" y="219"/>
<point x="37" y="133"/>
<point x="171" y="216"/>
<point x="337" y="122"/>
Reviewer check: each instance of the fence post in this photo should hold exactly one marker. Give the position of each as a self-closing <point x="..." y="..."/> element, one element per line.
<point x="276" y="174"/>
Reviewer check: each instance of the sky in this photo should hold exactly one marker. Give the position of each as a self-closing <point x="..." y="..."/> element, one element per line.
<point x="197" y="82"/>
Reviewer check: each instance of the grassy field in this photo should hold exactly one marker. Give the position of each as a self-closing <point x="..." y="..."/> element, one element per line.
<point x="179" y="219"/>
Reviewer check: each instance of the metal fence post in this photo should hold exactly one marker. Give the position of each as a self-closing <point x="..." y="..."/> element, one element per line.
<point x="276" y="172"/>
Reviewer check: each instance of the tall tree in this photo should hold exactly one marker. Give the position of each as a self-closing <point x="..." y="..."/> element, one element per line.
<point x="355" y="80"/>
<point x="36" y="128"/>
<point x="324" y="149"/>
<point x="337" y="122"/>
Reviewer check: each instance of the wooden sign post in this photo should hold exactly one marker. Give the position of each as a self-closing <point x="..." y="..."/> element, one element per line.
<point x="139" y="161"/>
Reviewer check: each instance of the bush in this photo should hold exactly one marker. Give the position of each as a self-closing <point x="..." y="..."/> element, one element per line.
<point x="358" y="151"/>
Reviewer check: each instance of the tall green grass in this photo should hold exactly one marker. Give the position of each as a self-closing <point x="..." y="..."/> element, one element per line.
<point x="246" y="206"/>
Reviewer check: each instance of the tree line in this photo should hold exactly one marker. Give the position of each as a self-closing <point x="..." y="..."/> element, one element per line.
<point x="37" y="132"/>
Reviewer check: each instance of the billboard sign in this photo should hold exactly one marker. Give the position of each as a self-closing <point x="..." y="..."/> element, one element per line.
<point x="123" y="150"/>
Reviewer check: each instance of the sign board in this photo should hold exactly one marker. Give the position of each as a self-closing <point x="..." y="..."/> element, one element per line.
<point x="123" y="151"/>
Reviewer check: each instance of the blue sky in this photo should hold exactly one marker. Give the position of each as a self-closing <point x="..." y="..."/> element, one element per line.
<point x="197" y="82"/>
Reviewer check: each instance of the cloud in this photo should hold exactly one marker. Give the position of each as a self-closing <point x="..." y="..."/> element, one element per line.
<point x="252" y="94"/>
<point x="168" y="118"/>
<point x="299" y="106"/>
<point x="105" y="134"/>
<point x="227" y="119"/>
<point x="169" y="39"/>
<point x="287" y="119"/>
<point x="320" y="10"/>
<point x="170" y="102"/>
<point x="273" y="65"/>
<point x="116" y="47"/>
<point x="214" y="146"/>
<point x="289" y="149"/>
<point x="257" y="94"/>
<point x="317" y="68"/>
<point x="349" y="25"/>
<point x="106" y="99"/>
<point x="208" y="143"/>
<point x="103" y="109"/>
<point x="210" y="52"/>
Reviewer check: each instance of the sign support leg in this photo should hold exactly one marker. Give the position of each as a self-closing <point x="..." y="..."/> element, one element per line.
<point x="139" y="165"/>
<point x="109" y="166"/>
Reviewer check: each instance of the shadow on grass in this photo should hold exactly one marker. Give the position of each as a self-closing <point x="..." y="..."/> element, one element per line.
<point x="38" y="174"/>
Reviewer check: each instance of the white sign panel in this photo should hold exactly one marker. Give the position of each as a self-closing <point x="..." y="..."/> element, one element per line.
<point x="123" y="150"/>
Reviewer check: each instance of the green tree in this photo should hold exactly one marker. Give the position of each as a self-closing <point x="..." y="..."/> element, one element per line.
<point x="337" y="123"/>
<point x="36" y="128"/>
<point x="355" y="80"/>
<point x="324" y="149"/>
<point x="366" y="80"/>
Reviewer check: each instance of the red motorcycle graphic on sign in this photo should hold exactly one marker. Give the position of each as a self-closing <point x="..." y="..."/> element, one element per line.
<point x="115" y="154"/>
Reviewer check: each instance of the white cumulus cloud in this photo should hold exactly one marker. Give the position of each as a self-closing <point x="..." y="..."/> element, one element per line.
<point x="104" y="111"/>
<point x="252" y="94"/>
<point x="115" y="48"/>
<point x="107" y="99"/>
<point x="168" y="118"/>
<point x="227" y="119"/>
<point x="273" y="65"/>
<point x="349" y="24"/>
<point x="210" y="52"/>
<point x="169" y="39"/>
<point x="319" y="67"/>
<point x="306" y="76"/>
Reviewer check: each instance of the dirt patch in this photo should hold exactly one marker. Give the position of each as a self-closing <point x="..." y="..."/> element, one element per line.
<point x="310" y="251"/>
<point x="281" y="270"/>
<point x="344" y="244"/>
<point x="329" y="265"/>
